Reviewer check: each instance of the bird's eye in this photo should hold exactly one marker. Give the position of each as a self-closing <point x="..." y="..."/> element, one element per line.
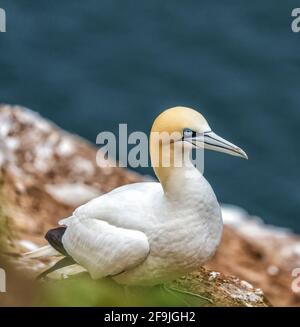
<point x="187" y="132"/>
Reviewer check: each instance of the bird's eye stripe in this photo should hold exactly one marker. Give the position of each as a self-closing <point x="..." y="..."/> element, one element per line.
<point x="189" y="132"/>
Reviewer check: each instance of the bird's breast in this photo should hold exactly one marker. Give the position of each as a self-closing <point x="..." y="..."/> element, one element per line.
<point x="175" y="249"/>
<point x="191" y="240"/>
<point x="185" y="230"/>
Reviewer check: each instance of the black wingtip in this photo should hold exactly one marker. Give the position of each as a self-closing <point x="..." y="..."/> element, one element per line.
<point x="54" y="238"/>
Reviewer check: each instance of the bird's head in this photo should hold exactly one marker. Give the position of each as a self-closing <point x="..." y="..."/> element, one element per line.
<point x="189" y="129"/>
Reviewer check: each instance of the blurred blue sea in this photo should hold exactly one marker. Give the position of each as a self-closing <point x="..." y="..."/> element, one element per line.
<point x="90" y="65"/>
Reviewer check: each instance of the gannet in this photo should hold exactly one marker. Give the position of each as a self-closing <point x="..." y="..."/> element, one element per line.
<point x="152" y="232"/>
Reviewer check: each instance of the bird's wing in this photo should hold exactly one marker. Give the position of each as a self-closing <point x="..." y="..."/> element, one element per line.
<point x="104" y="249"/>
<point x="128" y="206"/>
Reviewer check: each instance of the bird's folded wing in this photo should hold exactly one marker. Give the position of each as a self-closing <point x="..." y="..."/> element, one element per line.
<point x="104" y="249"/>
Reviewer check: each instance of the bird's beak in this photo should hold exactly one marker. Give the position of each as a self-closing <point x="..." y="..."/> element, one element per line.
<point x="212" y="141"/>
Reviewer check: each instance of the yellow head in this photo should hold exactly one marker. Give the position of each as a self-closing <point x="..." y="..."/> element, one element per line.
<point x="187" y="129"/>
<point x="179" y="118"/>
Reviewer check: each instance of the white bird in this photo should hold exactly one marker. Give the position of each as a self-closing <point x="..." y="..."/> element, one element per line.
<point x="149" y="233"/>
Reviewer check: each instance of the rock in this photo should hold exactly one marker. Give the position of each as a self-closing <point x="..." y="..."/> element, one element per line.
<point x="221" y="290"/>
<point x="262" y="254"/>
<point x="44" y="169"/>
<point x="74" y="194"/>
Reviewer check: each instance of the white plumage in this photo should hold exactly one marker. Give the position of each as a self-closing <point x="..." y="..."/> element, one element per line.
<point x="151" y="237"/>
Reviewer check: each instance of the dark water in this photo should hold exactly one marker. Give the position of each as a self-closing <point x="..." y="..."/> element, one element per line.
<point x="89" y="65"/>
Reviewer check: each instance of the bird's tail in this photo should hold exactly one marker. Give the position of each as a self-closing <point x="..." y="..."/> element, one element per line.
<point x="66" y="266"/>
<point x="45" y="251"/>
<point x="63" y="268"/>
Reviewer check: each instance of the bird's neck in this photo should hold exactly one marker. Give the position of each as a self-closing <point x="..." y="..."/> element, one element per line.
<point x="183" y="183"/>
<point x="175" y="171"/>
